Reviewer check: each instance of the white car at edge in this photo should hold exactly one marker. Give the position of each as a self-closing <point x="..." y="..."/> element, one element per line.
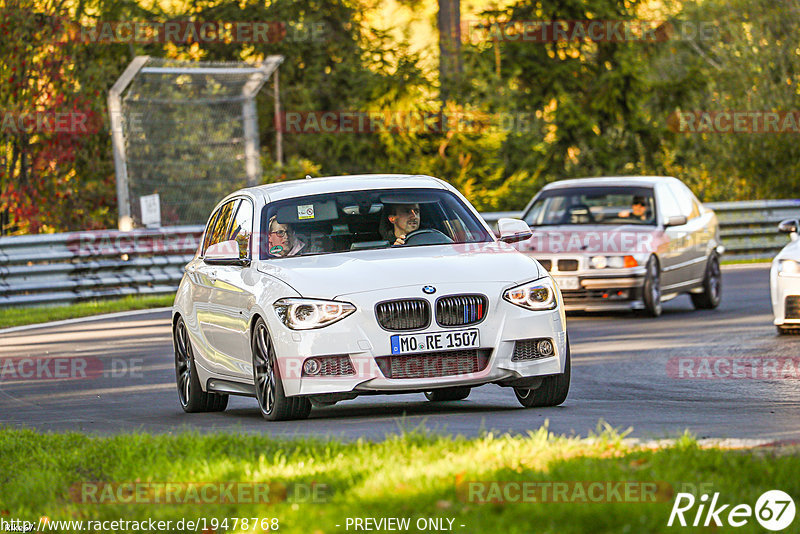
<point x="354" y="314"/>
<point x="784" y="284"/>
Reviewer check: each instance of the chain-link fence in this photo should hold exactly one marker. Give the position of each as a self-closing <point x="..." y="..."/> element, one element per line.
<point x="187" y="131"/>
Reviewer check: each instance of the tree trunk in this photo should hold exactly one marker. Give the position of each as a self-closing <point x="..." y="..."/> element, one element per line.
<point x="450" y="66"/>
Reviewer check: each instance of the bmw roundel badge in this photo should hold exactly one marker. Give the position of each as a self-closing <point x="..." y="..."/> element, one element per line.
<point x="428" y="290"/>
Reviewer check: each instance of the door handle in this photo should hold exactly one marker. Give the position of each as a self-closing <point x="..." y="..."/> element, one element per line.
<point x="212" y="275"/>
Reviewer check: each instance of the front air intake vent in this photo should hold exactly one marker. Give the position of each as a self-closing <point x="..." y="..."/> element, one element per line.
<point x="461" y="310"/>
<point x="793" y="307"/>
<point x="403" y="315"/>
<point x="434" y="364"/>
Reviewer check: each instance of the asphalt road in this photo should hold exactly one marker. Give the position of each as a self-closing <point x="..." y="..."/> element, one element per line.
<point x="627" y="371"/>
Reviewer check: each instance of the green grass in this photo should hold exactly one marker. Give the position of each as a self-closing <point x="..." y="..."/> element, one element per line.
<point x="414" y="475"/>
<point x="42" y="314"/>
<point x="740" y="262"/>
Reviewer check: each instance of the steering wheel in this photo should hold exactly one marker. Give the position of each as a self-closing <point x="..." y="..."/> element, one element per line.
<point x="427" y="236"/>
<point x="570" y="214"/>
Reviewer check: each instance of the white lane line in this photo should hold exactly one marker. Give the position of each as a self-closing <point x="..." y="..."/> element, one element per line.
<point x="84" y="319"/>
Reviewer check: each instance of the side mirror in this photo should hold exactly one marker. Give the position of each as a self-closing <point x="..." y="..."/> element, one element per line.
<point x="513" y="230"/>
<point x="225" y="253"/>
<point x="789" y="226"/>
<point x="676" y="220"/>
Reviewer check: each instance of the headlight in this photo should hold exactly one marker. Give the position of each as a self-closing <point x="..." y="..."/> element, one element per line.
<point x="788" y="267"/>
<point x="613" y="262"/>
<point x="599" y="262"/>
<point x="537" y="295"/>
<point x="305" y="314"/>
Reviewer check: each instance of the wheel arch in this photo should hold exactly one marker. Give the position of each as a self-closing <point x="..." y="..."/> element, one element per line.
<point x="176" y="314"/>
<point x="251" y="326"/>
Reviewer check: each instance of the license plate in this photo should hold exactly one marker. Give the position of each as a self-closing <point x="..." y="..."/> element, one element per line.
<point x="567" y="282"/>
<point x="431" y="342"/>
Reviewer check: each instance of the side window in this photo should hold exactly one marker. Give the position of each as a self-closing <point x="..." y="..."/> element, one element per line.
<point x="686" y="201"/>
<point x="695" y="203"/>
<point x="209" y="230"/>
<point x="242" y="228"/>
<point x="695" y="209"/>
<point x="218" y="230"/>
<point x="667" y="204"/>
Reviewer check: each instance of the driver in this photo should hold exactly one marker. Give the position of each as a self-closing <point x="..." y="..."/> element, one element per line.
<point x="282" y="239"/>
<point x="638" y="209"/>
<point x="403" y="219"/>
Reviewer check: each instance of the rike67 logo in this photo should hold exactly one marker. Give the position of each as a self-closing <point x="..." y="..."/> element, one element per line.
<point x="774" y="510"/>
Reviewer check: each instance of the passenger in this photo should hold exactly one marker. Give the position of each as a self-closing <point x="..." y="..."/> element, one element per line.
<point x="638" y="209"/>
<point x="399" y="221"/>
<point x="282" y="239"/>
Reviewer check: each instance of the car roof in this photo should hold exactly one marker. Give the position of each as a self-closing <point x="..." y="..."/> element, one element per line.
<point x="645" y="181"/>
<point x="336" y="184"/>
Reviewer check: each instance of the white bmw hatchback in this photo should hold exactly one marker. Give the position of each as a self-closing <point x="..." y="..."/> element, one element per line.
<point x="785" y="282"/>
<point x="308" y="292"/>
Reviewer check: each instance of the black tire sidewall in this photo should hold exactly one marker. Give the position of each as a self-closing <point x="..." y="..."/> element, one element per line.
<point x="706" y="300"/>
<point x="197" y="400"/>
<point x="553" y="390"/>
<point x="653" y="308"/>
<point x="284" y="407"/>
<point x="707" y="283"/>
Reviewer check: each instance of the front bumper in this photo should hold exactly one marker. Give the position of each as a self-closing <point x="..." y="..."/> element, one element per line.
<point x="785" y="296"/>
<point x="588" y="289"/>
<point x="361" y="339"/>
<point x="606" y="293"/>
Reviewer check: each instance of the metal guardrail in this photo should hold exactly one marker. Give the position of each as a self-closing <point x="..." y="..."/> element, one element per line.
<point x="72" y="267"/>
<point x="749" y="229"/>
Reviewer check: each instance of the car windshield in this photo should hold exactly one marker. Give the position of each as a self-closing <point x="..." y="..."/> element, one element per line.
<point x="593" y="205"/>
<point x="361" y="220"/>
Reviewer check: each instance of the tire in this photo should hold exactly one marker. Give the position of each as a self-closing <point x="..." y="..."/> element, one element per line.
<point x="190" y="393"/>
<point x="552" y="391"/>
<point x="712" y="287"/>
<point x="448" y="394"/>
<point x="651" y="290"/>
<point x="273" y="403"/>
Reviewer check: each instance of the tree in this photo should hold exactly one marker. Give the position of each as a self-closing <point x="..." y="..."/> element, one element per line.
<point x="448" y="21"/>
<point x="55" y="162"/>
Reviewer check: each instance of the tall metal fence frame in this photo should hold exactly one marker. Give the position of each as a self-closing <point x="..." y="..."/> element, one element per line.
<point x="259" y="74"/>
<point x="72" y="267"/>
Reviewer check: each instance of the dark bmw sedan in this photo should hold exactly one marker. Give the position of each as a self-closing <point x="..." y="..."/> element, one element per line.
<point x="629" y="242"/>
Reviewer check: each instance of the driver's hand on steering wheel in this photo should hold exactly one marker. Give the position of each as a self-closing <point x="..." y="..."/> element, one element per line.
<point x="400" y="241"/>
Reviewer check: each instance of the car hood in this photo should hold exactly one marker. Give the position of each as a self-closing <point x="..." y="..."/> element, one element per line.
<point x="331" y="275"/>
<point x="593" y="239"/>
<point x="790" y="251"/>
